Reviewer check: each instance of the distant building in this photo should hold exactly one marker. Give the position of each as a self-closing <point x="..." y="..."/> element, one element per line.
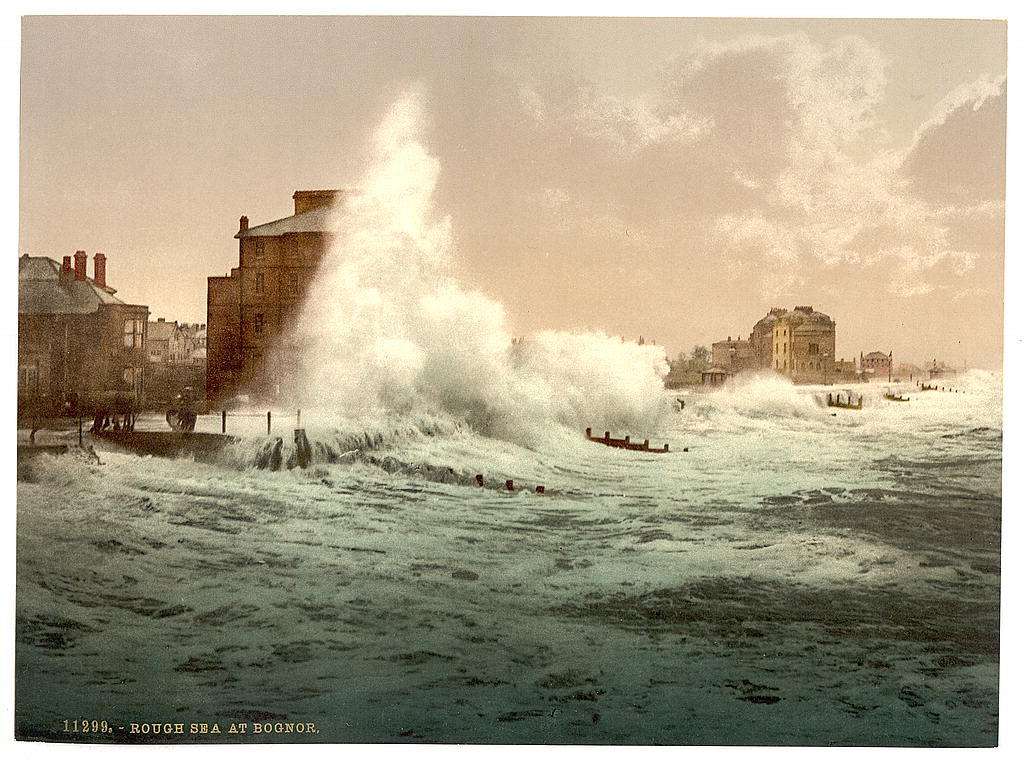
<point x="249" y="310"/>
<point x="940" y="369"/>
<point x="762" y="338"/>
<point x="176" y="359"/>
<point x="876" y="365"/>
<point x="908" y="371"/>
<point x="79" y="347"/>
<point x="804" y="345"/>
<point x="800" y="344"/>
<point x="734" y="356"/>
<point x="714" y="377"/>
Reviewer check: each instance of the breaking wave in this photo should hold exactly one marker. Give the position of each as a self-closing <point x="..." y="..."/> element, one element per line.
<point x="388" y="330"/>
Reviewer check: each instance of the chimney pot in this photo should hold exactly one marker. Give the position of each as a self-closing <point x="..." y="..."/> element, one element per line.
<point x="80" y="263"/>
<point x="243" y="223"/>
<point x="100" y="269"/>
<point x="65" y="270"/>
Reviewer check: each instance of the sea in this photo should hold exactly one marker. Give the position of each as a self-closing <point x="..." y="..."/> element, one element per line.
<point x="788" y="573"/>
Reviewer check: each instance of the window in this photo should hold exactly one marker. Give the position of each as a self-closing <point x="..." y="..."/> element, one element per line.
<point x="28" y="378"/>
<point x="812" y="348"/>
<point x="132" y="377"/>
<point x="259" y="284"/>
<point x="257" y="324"/>
<point x="293" y="284"/>
<point x="133" y="329"/>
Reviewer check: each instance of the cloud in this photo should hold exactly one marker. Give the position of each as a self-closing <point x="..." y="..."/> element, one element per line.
<point x="959" y="154"/>
<point x="771" y="150"/>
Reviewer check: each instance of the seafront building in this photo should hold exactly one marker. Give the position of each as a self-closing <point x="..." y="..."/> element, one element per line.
<point x="799" y="344"/>
<point x="80" y="348"/>
<point x="876" y="365"/>
<point x="250" y="309"/>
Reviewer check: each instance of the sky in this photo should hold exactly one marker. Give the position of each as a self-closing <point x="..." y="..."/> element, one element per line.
<point x="671" y="178"/>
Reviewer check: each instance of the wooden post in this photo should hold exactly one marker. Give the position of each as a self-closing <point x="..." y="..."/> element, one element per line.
<point x="224" y="421"/>
<point x="627" y="439"/>
<point x="268" y="423"/>
<point x="647" y="443"/>
<point x="588" y="432"/>
<point x="298" y="418"/>
<point x="508" y="485"/>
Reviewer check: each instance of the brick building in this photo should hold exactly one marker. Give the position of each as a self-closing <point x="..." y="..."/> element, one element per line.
<point x="250" y="309"/>
<point x="876" y="365"/>
<point x="78" y="345"/>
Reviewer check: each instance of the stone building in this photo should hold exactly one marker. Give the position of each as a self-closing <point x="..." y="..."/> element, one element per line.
<point x="79" y="347"/>
<point x="250" y="310"/>
<point x="804" y="345"/>
<point x="761" y="338"/>
<point x="733" y="356"/>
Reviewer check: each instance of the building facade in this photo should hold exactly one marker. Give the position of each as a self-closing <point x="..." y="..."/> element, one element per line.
<point x="804" y="345"/>
<point x="733" y="356"/>
<point x="250" y="310"/>
<point x="800" y="344"/>
<point x="876" y="365"/>
<point x="79" y="348"/>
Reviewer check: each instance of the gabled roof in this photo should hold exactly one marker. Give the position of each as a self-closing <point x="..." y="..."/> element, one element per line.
<point x="161" y="330"/>
<point x="40" y="290"/>
<point x="318" y="219"/>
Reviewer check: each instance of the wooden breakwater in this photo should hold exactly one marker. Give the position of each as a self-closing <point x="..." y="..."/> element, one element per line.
<point x="625" y="443"/>
<point x="848" y="404"/>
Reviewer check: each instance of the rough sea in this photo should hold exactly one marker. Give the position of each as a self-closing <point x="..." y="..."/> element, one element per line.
<point x="788" y="573"/>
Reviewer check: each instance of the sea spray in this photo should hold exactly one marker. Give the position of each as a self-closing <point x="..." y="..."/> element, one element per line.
<point x="387" y="330"/>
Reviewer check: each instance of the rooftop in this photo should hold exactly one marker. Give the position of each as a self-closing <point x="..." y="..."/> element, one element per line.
<point x="41" y="292"/>
<point x="313" y="220"/>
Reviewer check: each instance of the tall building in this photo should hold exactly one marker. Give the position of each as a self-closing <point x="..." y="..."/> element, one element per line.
<point x="79" y="347"/>
<point x="250" y="310"/>
<point x="804" y="345"/>
<point x="800" y="344"/>
<point x="761" y="338"/>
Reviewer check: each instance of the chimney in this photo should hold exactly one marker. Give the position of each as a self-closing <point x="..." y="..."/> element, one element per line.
<point x="313" y="199"/>
<point x="65" y="270"/>
<point x="243" y="223"/>
<point x="100" y="269"/>
<point x="80" y="263"/>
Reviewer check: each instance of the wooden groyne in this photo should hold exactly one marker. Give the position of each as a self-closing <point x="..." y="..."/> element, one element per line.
<point x="942" y="388"/>
<point x="625" y="443"/>
<point x="848" y="404"/>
